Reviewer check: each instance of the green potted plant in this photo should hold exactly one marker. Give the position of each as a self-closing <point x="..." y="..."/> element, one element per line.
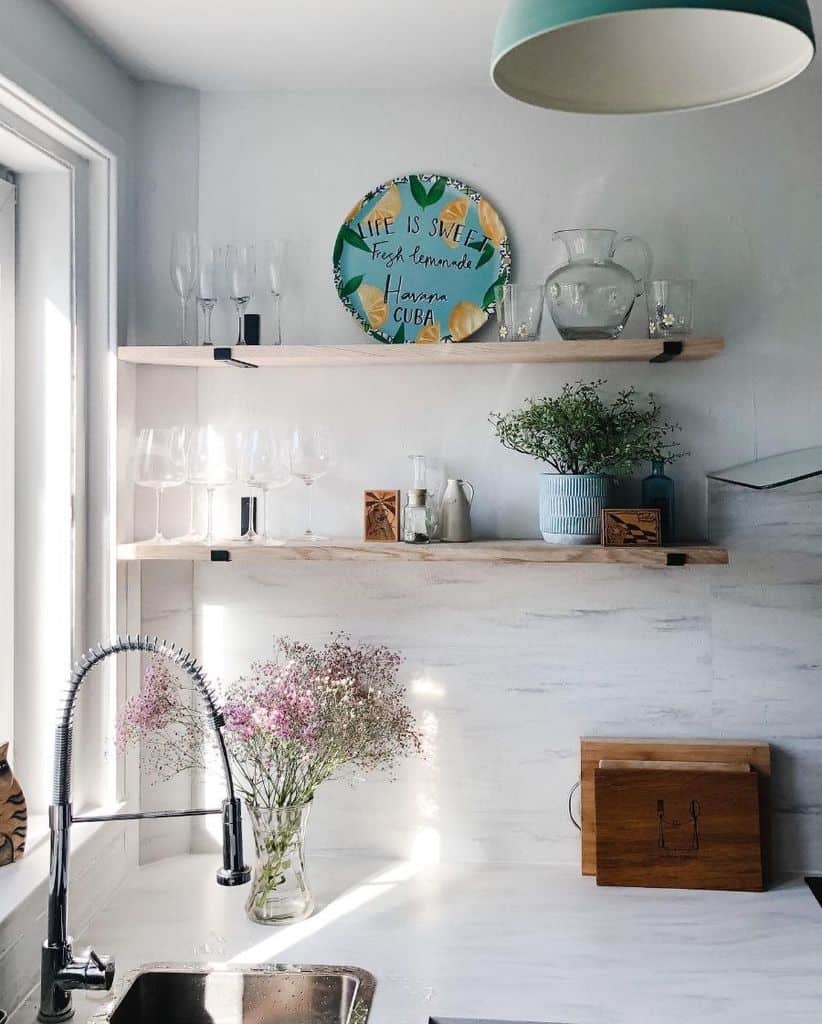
<point x="588" y="441"/>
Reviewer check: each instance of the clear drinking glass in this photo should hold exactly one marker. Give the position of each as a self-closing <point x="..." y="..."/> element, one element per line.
<point x="274" y="254"/>
<point x="312" y="455"/>
<point x="211" y="464"/>
<point x="209" y="287"/>
<point x="670" y="308"/>
<point x="183" y="268"/>
<point x="241" y="271"/>
<point x="265" y="463"/>
<point x="159" y="463"/>
<point x="519" y="311"/>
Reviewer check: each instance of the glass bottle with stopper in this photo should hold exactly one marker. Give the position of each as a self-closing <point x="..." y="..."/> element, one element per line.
<point x="417" y="518"/>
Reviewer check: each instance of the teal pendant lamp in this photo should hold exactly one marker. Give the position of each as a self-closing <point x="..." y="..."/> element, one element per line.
<point x="640" y="56"/>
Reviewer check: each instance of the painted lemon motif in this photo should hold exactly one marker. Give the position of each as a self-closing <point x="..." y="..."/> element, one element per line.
<point x="429" y="335"/>
<point x="374" y="305"/>
<point x="452" y="215"/>
<point x="491" y="224"/>
<point x="389" y="206"/>
<point x="465" y="318"/>
<point x="354" y="211"/>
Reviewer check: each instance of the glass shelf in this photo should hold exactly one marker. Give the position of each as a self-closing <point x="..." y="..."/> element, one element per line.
<point x="774" y="471"/>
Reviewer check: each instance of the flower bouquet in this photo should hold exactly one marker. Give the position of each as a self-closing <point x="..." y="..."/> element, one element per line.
<point x="294" y="722"/>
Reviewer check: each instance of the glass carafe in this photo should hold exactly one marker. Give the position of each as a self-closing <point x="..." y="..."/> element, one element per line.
<point x="591" y="296"/>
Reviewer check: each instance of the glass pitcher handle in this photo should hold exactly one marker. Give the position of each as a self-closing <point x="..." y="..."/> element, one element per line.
<point x="647" y="258"/>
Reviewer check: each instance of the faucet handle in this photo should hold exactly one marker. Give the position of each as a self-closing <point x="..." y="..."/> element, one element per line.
<point x="89" y="973"/>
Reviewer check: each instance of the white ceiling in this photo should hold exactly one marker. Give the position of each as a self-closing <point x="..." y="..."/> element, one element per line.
<point x="300" y="44"/>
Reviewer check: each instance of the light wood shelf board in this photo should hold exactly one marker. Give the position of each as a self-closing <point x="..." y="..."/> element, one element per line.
<point x="500" y="551"/>
<point x="466" y="353"/>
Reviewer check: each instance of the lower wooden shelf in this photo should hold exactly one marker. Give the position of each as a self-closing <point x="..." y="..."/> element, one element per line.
<point x="504" y="551"/>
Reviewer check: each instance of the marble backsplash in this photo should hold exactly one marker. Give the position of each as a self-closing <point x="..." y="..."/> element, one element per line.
<point x="509" y="665"/>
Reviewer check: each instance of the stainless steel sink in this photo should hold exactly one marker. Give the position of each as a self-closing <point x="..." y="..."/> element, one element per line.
<point x="274" y="994"/>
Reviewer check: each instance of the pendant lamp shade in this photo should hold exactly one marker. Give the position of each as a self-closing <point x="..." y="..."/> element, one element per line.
<point x="639" y="56"/>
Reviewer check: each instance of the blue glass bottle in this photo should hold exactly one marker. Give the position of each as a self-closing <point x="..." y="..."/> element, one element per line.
<point x="658" y="492"/>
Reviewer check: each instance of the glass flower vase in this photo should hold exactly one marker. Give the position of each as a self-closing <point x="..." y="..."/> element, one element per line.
<point x="279" y="890"/>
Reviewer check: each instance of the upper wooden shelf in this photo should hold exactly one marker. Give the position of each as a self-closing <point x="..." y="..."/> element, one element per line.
<point x="510" y="552"/>
<point x="467" y="353"/>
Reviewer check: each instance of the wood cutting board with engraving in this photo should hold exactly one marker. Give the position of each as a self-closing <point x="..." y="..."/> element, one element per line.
<point x="594" y="749"/>
<point x="678" y="829"/>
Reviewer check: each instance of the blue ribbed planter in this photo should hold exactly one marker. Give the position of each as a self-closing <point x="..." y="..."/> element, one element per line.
<point x="570" y="507"/>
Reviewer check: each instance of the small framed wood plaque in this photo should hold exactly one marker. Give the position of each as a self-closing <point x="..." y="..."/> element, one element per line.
<point x="381" y="511"/>
<point x="631" y="527"/>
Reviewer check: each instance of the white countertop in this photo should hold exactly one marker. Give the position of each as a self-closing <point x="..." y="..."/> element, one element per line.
<point x="526" y="943"/>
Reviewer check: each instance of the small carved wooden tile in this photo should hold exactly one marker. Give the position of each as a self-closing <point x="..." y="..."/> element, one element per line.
<point x="631" y="527"/>
<point x="382" y="515"/>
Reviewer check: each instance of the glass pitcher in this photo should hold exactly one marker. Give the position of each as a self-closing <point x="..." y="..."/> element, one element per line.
<point x="591" y="296"/>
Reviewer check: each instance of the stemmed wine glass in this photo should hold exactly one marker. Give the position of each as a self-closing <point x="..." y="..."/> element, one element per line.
<point x="241" y="270"/>
<point x="183" y="269"/>
<point x="266" y="464"/>
<point x="159" y="463"/>
<point x="212" y="464"/>
<point x="312" y="455"/>
<point x="274" y="262"/>
<point x="209" y="286"/>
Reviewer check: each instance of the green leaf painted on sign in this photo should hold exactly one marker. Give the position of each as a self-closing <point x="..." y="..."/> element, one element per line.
<point x="399" y="337"/>
<point x="418" y="190"/>
<point x="351" y="285"/>
<point x="478" y="245"/>
<point x="338" y="246"/>
<point x="354" y="238"/>
<point x="487" y="253"/>
<point x="490" y="295"/>
<point x="436" y="191"/>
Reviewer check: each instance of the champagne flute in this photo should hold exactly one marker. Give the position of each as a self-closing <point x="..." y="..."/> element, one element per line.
<point x="159" y="463"/>
<point x="312" y="455"/>
<point x="209" y="286"/>
<point x="183" y="267"/>
<point x="212" y="464"/>
<point x="241" y="270"/>
<point x="274" y="262"/>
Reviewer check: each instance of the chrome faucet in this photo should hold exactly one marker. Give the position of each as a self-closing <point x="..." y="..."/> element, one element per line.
<point x="61" y="971"/>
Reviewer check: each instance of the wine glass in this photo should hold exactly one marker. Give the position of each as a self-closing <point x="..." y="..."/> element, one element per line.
<point x="212" y="464"/>
<point x="273" y="265"/>
<point x="266" y="464"/>
<point x="241" y="270"/>
<point x="209" y="286"/>
<point x="159" y="463"/>
<point x="183" y="267"/>
<point x="312" y="455"/>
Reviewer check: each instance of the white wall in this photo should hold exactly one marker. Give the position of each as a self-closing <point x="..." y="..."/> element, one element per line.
<point x="513" y="664"/>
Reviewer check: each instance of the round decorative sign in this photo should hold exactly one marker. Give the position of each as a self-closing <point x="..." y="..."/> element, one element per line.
<point x="419" y="258"/>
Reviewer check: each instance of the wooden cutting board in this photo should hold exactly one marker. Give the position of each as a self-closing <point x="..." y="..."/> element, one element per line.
<point x="678" y="829"/>
<point x="594" y="749"/>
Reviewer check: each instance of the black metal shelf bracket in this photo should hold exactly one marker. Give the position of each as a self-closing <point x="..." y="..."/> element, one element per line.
<point x="670" y="350"/>
<point x="220" y="555"/>
<point x="675" y="558"/>
<point x="223" y="355"/>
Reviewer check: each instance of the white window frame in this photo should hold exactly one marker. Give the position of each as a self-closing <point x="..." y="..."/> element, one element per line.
<point x="93" y="171"/>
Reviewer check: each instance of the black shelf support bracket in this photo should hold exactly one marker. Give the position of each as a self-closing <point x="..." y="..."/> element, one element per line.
<point x="675" y="558"/>
<point x="220" y="555"/>
<point x="223" y="355"/>
<point x="815" y="885"/>
<point x="670" y="350"/>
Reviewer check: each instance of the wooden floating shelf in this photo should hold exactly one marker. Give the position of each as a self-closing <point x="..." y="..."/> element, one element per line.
<point x="641" y="350"/>
<point x="511" y="552"/>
